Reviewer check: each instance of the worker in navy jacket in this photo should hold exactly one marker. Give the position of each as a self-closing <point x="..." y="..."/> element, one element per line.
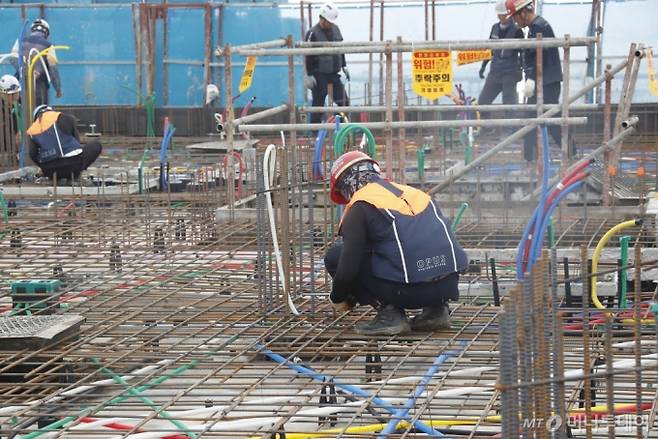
<point x="397" y="252"/>
<point x="505" y="65"/>
<point x="322" y="70"/>
<point x="54" y="144"/>
<point x="523" y="13"/>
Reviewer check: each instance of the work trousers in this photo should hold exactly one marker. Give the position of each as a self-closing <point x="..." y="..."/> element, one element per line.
<point x="371" y="290"/>
<point x="41" y="88"/>
<point x="493" y="86"/>
<point x="551" y="96"/>
<point x="321" y="89"/>
<point x="71" y="167"/>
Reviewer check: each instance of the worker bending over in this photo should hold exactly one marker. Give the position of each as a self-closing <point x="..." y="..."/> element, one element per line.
<point x="55" y="146"/>
<point x="397" y="251"/>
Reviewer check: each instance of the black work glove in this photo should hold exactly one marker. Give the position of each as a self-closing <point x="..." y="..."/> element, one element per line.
<point x="482" y="72"/>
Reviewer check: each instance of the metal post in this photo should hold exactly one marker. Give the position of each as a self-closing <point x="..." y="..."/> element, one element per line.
<point x="539" y="90"/>
<point x="389" y="112"/>
<point x="607" y="114"/>
<point x="565" y="104"/>
<point x="370" y="38"/>
<point x="228" y="126"/>
<point x="381" y="56"/>
<point x="401" y="102"/>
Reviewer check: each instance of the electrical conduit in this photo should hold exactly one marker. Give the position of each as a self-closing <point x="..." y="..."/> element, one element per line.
<point x="269" y="161"/>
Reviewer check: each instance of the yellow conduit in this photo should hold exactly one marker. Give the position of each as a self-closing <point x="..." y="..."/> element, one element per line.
<point x="373" y="428"/>
<point x="597" y="255"/>
<point x="30" y="80"/>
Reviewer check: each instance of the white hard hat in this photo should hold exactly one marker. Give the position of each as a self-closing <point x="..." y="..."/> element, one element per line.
<point x="212" y="93"/>
<point x="329" y="12"/>
<point x="9" y="84"/>
<point x="501" y="9"/>
<point x="40" y="25"/>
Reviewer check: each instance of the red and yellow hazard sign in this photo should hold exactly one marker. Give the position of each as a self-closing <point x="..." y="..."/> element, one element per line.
<point x="653" y="84"/>
<point x="248" y="73"/>
<point x="471" y="56"/>
<point x="431" y="71"/>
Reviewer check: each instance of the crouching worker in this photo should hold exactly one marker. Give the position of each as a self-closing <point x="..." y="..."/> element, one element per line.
<point x="397" y="251"/>
<point x="55" y="144"/>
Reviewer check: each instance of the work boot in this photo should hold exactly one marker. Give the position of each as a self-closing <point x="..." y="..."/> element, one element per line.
<point x="388" y="321"/>
<point x="432" y="318"/>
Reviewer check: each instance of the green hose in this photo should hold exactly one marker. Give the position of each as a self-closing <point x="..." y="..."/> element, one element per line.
<point x="459" y="215"/>
<point x="341" y="136"/>
<point x="119" y="399"/>
<point x="420" y="154"/>
<point x="623" y="244"/>
<point x="551" y="234"/>
<point x="5" y="208"/>
<point x="140" y="171"/>
<point x="147" y="401"/>
<point x="149" y="104"/>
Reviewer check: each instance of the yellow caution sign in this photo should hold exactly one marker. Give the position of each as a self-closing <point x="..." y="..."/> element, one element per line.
<point x="471" y="56"/>
<point x="431" y="71"/>
<point x="248" y="73"/>
<point x="653" y="84"/>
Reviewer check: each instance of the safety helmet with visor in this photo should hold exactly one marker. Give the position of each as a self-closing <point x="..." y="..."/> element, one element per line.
<point x="349" y="173"/>
<point x="329" y="12"/>
<point x="40" y="25"/>
<point x="40" y="110"/>
<point x="516" y="6"/>
<point x="9" y="84"/>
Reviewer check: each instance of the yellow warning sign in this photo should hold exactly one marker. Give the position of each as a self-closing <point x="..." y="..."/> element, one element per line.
<point x="653" y="84"/>
<point x="431" y="71"/>
<point x="471" y="56"/>
<point x="248" y="73"/>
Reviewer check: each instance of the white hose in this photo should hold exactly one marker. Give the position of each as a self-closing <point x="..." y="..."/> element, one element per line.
<point x="269" y="161"/>
<point x="6" y="411"/>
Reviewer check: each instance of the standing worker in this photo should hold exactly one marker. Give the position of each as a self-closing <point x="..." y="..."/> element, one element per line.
<point x="322" y="70"/>
<point x="398" y="251"/>
<point x="45" y="69"/>
<point x="523" y="13"/>
<point x="505" y="67"/>
<point x="9" y="95"/>
<point x="55" y="147"/>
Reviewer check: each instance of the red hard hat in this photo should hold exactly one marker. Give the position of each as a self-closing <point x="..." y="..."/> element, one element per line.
<point x="342" y="164"/>
<point x="514" y="6"/>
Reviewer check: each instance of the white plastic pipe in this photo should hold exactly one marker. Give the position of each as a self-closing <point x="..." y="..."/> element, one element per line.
<point x="269" y="161"/>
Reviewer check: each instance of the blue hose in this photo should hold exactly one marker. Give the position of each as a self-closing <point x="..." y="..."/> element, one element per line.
<point x="544" y="224"/>
<point x="319" y="145"/>
<point x="166" y="139"/>
<point x="401" y="413"/>
<point x="347" y="387"/>
<point x="537" y="214"/>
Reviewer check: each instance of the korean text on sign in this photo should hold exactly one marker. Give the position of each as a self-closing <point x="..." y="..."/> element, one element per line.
<point x="431" y="71"/>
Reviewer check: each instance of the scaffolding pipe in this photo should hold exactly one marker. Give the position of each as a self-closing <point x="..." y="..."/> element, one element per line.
<point x="417" y="124"/>
<point x="523" y="131"/>
<point x="261" y="114"/>
<point x="279" y="42"/>
<point x="446" y="108"/>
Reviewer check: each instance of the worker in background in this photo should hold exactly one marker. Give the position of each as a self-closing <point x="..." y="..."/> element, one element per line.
<point x="523" y="13"/>
<point x="45" y="69"/>
<point x="322" y="70"/>
<point x="54" y="144"/>
<point x="397" y="252"/>
<point x="10" y="90"/>
<point x="505" y="66"/>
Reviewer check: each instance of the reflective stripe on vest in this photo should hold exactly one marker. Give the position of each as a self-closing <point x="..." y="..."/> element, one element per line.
<point x="421" y="246"/>
<point x="53" y="144"/>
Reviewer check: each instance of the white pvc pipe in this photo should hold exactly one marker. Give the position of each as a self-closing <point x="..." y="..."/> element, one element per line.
<point x="269" y="161"/>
